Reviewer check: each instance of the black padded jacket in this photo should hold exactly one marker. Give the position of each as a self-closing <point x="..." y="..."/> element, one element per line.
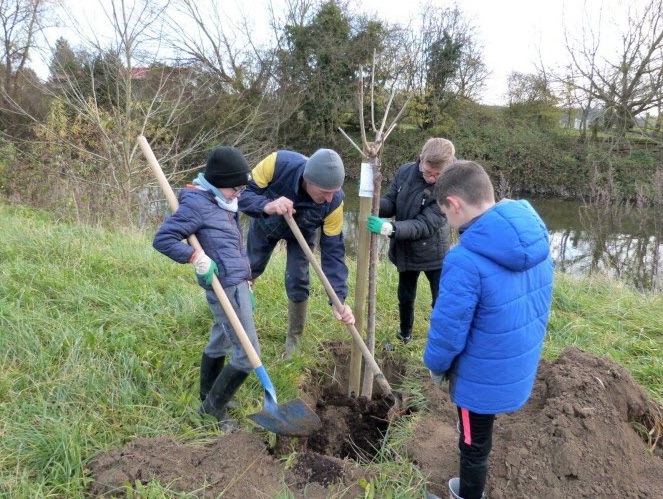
<point x="421" y="233"/>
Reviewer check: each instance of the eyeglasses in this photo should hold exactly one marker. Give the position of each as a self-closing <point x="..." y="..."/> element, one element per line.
<point x="428" y="172"/>
<point x="239" y="190"/>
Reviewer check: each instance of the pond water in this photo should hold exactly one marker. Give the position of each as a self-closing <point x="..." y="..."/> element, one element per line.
<point x="623" y="242"/>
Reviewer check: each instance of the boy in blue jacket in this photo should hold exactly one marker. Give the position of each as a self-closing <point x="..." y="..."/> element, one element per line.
<point x="488" y="324"/>
<point x="208" y="209"/>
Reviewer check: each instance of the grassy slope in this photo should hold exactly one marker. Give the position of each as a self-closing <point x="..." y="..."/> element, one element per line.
<point x="100" y="339"/>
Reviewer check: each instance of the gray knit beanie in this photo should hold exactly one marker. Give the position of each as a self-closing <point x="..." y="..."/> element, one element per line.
<point x="325" y="169"/>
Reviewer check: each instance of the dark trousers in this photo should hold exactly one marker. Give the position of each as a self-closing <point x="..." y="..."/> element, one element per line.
<point x="407" y="292"/>
<point x="475" y="443"/>
<point x="261" y="241"/>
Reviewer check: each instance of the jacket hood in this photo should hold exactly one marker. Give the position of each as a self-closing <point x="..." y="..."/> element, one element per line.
<point x="511" y="234"/>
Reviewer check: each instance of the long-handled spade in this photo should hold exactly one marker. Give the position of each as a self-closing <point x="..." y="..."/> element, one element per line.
<point x="291" y="419"/>
<point x="395" y="398"/>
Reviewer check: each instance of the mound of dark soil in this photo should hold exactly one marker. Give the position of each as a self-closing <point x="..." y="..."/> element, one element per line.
<point x="582" y="434"/>
<point x="588" y="431"/>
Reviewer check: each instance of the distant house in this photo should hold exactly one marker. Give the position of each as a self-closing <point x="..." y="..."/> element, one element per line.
<point x="136" y="73"/>
<point x="596" y="115"/>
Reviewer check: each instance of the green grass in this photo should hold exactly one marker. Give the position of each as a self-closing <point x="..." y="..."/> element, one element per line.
<point x="100" y="341"/>
<point x="607" y="318"/>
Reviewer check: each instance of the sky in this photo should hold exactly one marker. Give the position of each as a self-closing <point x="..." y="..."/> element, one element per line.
<point x="514" y="34"/>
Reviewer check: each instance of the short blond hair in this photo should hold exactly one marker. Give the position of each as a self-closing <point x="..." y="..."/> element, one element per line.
<point x="438" y="152"/>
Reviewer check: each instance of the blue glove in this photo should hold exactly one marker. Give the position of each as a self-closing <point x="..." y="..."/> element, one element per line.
<point x="380" y="226"/>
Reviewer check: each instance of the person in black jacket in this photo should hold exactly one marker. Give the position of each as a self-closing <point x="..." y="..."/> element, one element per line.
<point x="419" y="233"/>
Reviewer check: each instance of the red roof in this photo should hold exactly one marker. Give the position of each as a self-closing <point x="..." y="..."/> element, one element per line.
<point x="138" y="73"/>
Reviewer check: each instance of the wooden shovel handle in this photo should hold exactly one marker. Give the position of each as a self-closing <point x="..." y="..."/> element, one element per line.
<point x="370" y="360"/>
<point x="193" y="241"/>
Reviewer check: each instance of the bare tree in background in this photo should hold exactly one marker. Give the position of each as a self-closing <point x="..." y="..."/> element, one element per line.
<point x="293" y="12"/>
<point x="578" y="109"/>
<point x="447" y="63"/>
<point x="627" y="81"/>
<point x="287" y="99"/>
<point x="20" y="22"/>
<point x="232" y="54"/>
<point x="222" y="45"/>
<point x="103" y="97"/>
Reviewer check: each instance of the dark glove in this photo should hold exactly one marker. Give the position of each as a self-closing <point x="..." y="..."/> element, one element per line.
<point x="441" y="380"/>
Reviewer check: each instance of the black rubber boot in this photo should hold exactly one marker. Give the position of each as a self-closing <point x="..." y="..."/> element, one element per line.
<point x="222" y="392"/>
<point x="210" y="367"/>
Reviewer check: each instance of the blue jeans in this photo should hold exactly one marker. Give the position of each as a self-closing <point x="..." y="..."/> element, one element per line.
<point x="264" y="235"/>
<point x="475" y="443"/>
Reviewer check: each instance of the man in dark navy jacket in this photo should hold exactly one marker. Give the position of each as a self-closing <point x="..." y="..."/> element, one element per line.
<point x="308" y="189"/>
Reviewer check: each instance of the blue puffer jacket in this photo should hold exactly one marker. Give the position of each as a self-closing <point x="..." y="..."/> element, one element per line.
<point x="217" y="231"/>
<point x="487" y="327"/>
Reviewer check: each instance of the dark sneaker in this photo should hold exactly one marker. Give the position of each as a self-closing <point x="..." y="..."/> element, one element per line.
<point x="454" y="487"/>
<point x="404" y="338"/>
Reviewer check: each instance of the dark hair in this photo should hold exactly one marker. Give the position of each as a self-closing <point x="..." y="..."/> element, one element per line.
<point x="467" y="180"/>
